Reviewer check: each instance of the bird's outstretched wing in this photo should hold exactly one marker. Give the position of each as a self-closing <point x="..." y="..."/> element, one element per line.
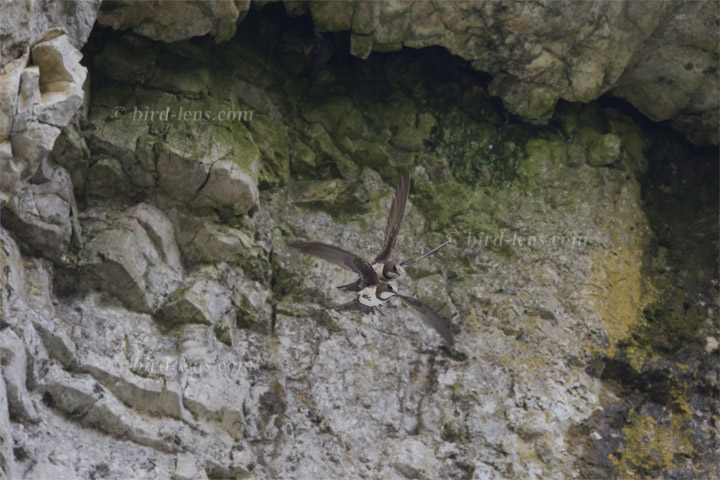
<point x="397" y="211"/>
<point x="355" y="305"/>
<point x="339" y="257"/>
<point x="355" y="286"/>
<point x="430" y="318"/>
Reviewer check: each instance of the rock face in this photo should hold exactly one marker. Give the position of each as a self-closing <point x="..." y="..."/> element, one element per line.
<point x="25" y="23"/>
<point x="132" y="255"/>
<point x="662" y="57"/>
<point x="670" y="77"/>
<point x="36" y="100"/>
<point x="153" y="317"/>
<point x="44" y="216"/>
<point x="173" y="21"/>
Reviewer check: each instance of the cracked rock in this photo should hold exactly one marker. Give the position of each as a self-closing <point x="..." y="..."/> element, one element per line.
<point x="134" y="257"/>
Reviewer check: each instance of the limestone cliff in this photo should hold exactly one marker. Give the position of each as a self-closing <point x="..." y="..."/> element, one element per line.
<point x="156" y="325"/>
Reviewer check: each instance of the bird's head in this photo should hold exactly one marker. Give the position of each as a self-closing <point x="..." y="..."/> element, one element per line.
<point x="393" y="270"/>
<point x="386" y="291"/>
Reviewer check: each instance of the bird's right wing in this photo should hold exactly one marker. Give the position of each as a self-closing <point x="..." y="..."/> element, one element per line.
<point x="397" y="211"/>
<point x="355" y="305"/>
<point x="339" y="257"/>
<point x="430" y="318"/>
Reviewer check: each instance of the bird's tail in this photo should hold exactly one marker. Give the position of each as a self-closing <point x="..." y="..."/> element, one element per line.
<point x="352" y="286"/>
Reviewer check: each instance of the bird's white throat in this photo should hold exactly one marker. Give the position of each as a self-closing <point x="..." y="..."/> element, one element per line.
<point x="368" y="297"/>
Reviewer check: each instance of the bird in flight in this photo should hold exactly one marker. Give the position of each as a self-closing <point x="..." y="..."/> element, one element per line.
<point x="386" y="268"/>
<point x="373" y="291"/>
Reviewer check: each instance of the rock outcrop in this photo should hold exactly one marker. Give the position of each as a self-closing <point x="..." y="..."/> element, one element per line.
<point x="23" y="24"/>
<point x="36" y="99"/>
<point x="153" y="317"/>
<point x="662" y="57"/>
<point x="173" y="21"/>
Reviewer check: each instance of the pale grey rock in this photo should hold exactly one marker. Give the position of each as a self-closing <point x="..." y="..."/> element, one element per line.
<point x="61" y="79"/>
<point x="11" y="75"/>
<point x="7" y="456"/>
<point x="29" y="148"/>
<point x="106" y="178"/>
<point x="229" y="186"/>
<point x="128" y="358"/>
<point x="605" y="150"/>
<point x="113" y="168"/>
<point x="35" y="102"/>
<point x="216" y="379"/>
<point x="83" y="396"/>
<point x="14" y="370"/>
<point x="210" y="172"/>
<point x="655" y="55"/>
<point x="201" y="299"/>
<point x="93" y="452"/>
<point x="251" y="298"/>
<point x="25" y="23"/>
<point x="186" y="468"/>
<point x="274" y="383"/>
<point x="27" y="289"/>
<point x="57" y="342"/>
<point x="203" y="240"/>
<point x="256" y="98"/>
<point x="71" y="152"/>
<point x="410" y="458"/>
<point x="672" y="75"/>
<point x="44" y="214"/>
<point x="29" y="84"/>
<point x="171" y="22"/>
<point x="41" y="220"/>
<point x="128" y="366"/>
<point x="14" y="169"/>
<point x="134" y="257"/>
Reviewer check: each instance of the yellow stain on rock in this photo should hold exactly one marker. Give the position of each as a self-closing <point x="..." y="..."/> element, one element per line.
<point x="650" y="446"/>
<point x="617" y="283"/>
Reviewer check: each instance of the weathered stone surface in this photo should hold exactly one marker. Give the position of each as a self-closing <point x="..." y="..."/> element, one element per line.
<point x="24" y="23"/>
<point x="133" y="256"/>
<point x="203" y="240"/>
<point x="201" y="299"/>
<point x="157" y="143"/>
<point x="44" y="215"/>
<point x="35" y="102"/>
<point x="605" y="47"/>
<point x="671" y="76"/>
<point x="173" y="21"/>
<point x="585" y="316"/>
<point x="7" y="456"/>
<point x="14" y="369"/>
<point x="540" y="52"/>
<point x="61" y="79"/>
<point x="71" y="152"/>
<point x="217" y="178"/>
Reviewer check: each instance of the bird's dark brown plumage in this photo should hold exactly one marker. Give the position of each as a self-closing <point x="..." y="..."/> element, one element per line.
<point x="341" y="258"/>
<point x="397" y="211"/>
<point x="430" y="318"/>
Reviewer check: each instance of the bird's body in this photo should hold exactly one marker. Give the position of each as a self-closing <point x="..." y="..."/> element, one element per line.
<point x="373" y="292"/>
<point x="373" y="286"/>
<point x="385" y="271"/>
<point x="384" y="267"/>
<point x="376" y="295"/>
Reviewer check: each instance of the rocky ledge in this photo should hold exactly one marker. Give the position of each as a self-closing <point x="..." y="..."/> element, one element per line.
<point x="155" y="323"/>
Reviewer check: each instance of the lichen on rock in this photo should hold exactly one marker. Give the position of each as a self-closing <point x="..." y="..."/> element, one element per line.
<point x="153" y="315"/>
